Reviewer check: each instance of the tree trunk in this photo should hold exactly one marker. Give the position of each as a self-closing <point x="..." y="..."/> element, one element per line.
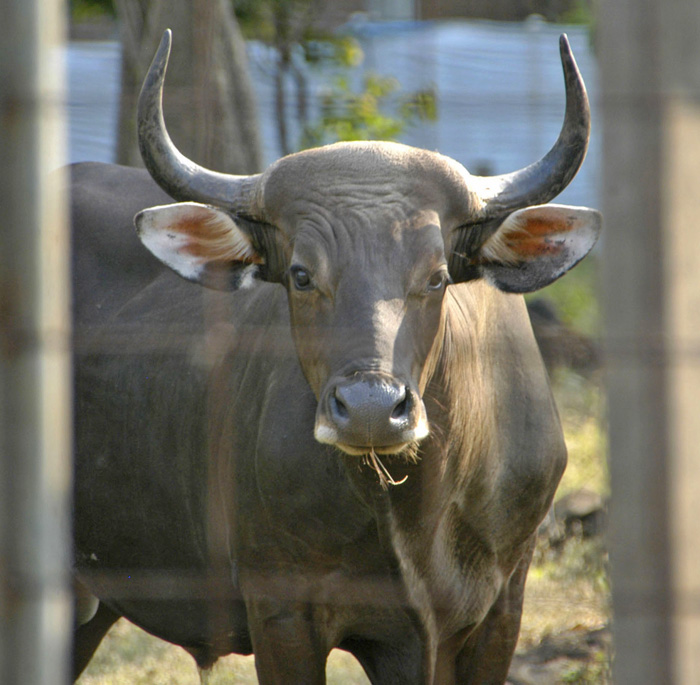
<point x="208" y="101"/>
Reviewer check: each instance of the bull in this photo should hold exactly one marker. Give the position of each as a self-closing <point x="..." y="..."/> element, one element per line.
<point x="347" y="438"/>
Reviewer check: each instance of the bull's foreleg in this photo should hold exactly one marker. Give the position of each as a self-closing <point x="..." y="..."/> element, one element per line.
<point x="486" y="656"/>
<point x="287" y="645"/>
<point x="389" y="664"/>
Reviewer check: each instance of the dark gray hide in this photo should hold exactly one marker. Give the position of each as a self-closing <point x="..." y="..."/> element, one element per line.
<point x="222" y="498"/>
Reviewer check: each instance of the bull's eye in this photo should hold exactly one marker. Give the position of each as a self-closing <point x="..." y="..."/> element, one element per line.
<point x="301" y="278"/>
<point x="437" y="281"/>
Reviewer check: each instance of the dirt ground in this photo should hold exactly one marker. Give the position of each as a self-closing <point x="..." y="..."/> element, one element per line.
<point x="575" y="656"/>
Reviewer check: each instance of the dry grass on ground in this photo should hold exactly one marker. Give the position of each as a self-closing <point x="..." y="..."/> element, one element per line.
<point x="129" y="656"/>
<point x="567" y="600"/>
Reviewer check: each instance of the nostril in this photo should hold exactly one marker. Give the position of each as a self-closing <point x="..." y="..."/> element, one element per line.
<point x="338" y="408"/>
<point x="402" y="409"/>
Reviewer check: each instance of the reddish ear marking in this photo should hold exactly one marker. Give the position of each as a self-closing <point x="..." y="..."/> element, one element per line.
<point x="535" y="238"/>
<point x="536" y="245"/>
<point x="210" y="237"/>
<point x="531" y="233"/>
<point x="194" y="240"/>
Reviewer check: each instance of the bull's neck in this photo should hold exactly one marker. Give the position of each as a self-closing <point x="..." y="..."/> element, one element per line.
<point x="458" y="396"/>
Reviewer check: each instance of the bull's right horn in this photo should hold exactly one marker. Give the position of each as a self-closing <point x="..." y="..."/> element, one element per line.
<point x="180" y="177"/>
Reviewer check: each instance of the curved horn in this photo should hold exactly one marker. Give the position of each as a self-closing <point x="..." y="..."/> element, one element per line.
<point x="545" y="179"/>
<point x="181" y="178"/>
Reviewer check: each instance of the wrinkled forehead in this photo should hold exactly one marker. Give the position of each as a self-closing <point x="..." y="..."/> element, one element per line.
<point x="395" y="184"/>
<point x="382" y="241"/>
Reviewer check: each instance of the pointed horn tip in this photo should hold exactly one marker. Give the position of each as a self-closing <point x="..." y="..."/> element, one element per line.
<point x="567" y="54"/>
<point x="163" y="52"/>
<point x="568" y="61"/>
<point x="159" y="64"/>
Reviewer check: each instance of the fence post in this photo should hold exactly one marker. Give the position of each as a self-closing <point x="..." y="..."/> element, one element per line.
<point x="35" y="426"/>
<point x="650" y="69"/>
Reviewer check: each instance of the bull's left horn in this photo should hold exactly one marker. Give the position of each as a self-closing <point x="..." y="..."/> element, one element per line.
<point x="180" y="177"/>
<point x="546" y="178"/>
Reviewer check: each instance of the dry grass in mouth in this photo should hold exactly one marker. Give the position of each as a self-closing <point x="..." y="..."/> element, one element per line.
<point x="385" y="478"/>
<point x="408" y="455"/>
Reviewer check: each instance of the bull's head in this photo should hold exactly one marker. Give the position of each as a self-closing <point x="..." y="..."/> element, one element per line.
<point x="366" y="237"/>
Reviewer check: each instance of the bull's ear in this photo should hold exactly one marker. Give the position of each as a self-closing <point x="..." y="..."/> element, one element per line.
<point x="201" y="243"/>
<point x="536" y="245"/>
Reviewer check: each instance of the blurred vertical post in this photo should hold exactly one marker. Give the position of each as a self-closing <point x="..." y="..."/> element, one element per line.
<point x="35" y="400"/>
<point x="650" y="69"/>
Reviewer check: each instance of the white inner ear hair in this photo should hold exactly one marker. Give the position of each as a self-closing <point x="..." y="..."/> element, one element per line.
<point x="219" y="238"/>
<point x="498" y="247"/>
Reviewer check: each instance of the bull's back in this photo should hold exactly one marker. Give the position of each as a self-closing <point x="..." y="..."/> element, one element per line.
<point x="109" y="262"/>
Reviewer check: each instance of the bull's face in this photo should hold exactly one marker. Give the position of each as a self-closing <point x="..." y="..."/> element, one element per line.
<point x="365" y="314"/>
<point x="365" y="295"/>
<point x="366" y="274"/>
<point x="363" y="326"/>
<point x="366" y="238"/>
